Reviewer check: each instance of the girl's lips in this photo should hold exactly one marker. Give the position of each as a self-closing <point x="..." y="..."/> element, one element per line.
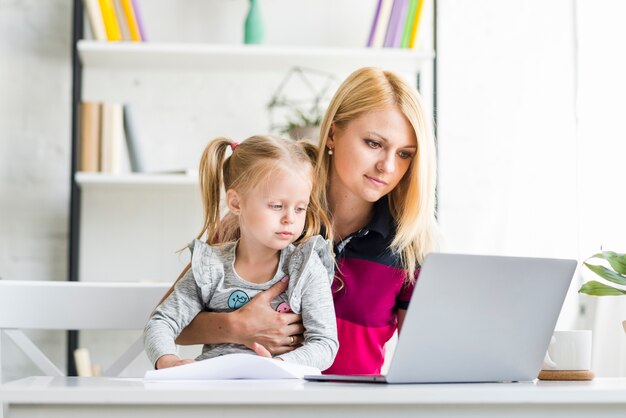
<point x="284" y="234"/>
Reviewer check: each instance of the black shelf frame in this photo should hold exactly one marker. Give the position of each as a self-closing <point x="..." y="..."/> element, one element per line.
<point x="74" y="228"/>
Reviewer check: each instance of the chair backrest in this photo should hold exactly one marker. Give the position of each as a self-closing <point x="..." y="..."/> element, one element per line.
<point x="50" y="305"/>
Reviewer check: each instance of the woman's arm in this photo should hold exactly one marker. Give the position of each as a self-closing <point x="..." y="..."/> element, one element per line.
<point x="254" y="322"/>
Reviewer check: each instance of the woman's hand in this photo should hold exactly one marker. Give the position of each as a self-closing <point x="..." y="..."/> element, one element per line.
<point x="170" y="360"/>
<point x="257" y="322"/>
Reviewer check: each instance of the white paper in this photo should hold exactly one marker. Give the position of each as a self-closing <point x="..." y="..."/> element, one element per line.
<point x="233" y="366"/>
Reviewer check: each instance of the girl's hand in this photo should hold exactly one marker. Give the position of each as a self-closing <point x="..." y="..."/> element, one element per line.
<point x="263" y="352"/>
<point x="257" y="322"/>
<point x="170" y="360"/>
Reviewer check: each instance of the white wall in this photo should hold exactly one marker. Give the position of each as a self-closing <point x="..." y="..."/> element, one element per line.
<point x="531" y="140"/>
<point x="35" y="94"/>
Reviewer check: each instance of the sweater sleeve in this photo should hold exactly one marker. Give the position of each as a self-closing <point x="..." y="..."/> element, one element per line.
<point x="180" y="307"/>
<point x="311" y="270"/>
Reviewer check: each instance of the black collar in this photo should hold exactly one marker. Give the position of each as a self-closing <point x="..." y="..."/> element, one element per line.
<point x="381" y="222"/>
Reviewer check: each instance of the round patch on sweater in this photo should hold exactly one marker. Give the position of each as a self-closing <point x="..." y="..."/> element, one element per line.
<point x="237" y="299"/>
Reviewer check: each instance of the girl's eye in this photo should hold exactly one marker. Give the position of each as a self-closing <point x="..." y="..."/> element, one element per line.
<point x="372" y="144"/>
<point x="275" y="206"/>
<point x="405" y="155"/>
<point x="300" y="210"/>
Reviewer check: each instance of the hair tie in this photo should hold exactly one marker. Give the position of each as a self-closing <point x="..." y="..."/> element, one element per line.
<point x="234" y="145"/>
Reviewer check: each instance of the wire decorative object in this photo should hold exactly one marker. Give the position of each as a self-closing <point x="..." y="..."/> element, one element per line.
<point x="300" y="101"/>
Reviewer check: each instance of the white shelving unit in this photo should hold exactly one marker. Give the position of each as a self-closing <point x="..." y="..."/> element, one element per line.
<point x="94" y="181"/>
<point x="173" y="56"/>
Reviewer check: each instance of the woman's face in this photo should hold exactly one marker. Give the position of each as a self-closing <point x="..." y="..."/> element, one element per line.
<point x="371" y="154"/>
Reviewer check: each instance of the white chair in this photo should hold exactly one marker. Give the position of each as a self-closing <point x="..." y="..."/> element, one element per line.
<point x="48" y="305"/>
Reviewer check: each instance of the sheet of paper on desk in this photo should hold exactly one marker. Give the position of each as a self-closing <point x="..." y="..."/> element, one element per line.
<point x="233" y="366"/>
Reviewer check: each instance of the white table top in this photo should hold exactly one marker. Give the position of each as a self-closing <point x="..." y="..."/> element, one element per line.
<point x="51" y="390"/>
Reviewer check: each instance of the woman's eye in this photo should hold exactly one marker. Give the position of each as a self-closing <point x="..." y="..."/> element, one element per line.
<point x="372" y="144"/>
<point x="405" y="155"/>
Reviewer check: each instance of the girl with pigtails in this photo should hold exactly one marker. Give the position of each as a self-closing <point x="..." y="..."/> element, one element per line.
<point x="269" y="236"/>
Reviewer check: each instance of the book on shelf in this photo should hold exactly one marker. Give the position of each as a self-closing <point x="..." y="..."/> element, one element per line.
<point x="395" y="24"/>
<point x="408" y="23"/>
<point x="92" y="7"/>
<point x="415" y="24"/>
<point x="121" y="20"/>
<point x="380" y="23"/>
<point x="133" y="19"/>
<point x="233" y="366"/>
<point x="89" y="143"/>
<point x="115" y="20"/>
<point x="111" y="25"/>
<point x="132" y="140"/>
<point x="111" y="138"/>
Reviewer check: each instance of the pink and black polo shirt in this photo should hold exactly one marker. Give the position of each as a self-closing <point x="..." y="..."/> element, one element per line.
<point x="373" y="290"/>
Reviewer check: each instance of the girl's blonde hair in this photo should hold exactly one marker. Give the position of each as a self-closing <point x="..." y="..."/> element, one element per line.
<point x="412" y="202"/>
<point x="250" y="164"/>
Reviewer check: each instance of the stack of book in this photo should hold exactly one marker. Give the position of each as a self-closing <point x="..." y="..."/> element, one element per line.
<point x="108" y="138"/>
<point x="395" y="24"/>
<point x="115" y="20"/>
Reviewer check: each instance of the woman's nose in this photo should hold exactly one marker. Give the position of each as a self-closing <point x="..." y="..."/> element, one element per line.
<point x="387" y="164"/>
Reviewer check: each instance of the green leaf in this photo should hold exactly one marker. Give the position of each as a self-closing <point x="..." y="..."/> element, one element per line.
<point x="594" y="288"/>
<point x="616" y="260"/>
<point x="607" y="274"/>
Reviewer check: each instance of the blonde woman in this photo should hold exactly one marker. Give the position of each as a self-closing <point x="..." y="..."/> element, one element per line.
<point x="376" y="170"/>
<point x="268" y="183"/>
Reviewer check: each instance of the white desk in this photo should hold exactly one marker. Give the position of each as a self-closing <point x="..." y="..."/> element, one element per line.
<point x="52" y="397"/>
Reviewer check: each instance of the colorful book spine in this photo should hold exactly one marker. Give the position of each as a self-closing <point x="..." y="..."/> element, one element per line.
<point x="416" y="23"/>
<point x="382" y="24"/>
<point x="397" y="36"/>
<point x="408" y="24"/>
<point x="130" y="12"/>
<point x="89" y="137"/>
<point x="370" y="39"/>
<point x="395" y="23"/>
<point x="121" y="20"/>
<point x="111" y="24"/>
<point x="95" y="19"/>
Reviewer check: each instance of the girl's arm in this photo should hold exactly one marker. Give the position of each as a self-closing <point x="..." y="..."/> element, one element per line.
<point x="254" y="322"/>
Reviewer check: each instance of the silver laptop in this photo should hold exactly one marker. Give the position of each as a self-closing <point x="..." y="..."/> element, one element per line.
<point x="477" y="319"/>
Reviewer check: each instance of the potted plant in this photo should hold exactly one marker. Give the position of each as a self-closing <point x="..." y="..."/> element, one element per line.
<point x="615" y="274"/>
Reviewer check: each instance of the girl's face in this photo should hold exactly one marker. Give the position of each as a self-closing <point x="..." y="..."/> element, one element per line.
<point x="371" y="154"/>
<point x="272" y="215"/>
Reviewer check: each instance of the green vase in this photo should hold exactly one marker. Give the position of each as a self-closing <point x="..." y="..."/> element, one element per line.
<point x="253" y="28"/>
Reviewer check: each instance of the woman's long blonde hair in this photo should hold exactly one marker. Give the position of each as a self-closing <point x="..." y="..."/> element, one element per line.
<point x="412" y="202"/>
<point x="251" y="163"/>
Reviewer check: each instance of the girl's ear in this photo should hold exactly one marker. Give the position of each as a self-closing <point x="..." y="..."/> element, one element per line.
<point x="233" y="201"/>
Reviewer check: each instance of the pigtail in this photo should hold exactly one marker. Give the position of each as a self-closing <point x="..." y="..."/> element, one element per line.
<point x="211" y="173"/>
<point x="317" y="220"/>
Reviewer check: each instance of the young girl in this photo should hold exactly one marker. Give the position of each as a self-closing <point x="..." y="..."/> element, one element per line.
<point x="270" y="194"/>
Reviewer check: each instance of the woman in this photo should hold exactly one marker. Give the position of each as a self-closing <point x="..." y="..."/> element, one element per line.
<point x="377" y="159"/>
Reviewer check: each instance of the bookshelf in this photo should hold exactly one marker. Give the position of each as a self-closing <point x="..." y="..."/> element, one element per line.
<point x="172" y="56"/>
<point x="127" y="227"/>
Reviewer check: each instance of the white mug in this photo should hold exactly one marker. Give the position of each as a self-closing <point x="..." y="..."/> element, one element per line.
<point x="569" y="350"/>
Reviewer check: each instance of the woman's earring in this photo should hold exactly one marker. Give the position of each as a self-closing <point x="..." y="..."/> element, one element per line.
<point x="330" y="151"/>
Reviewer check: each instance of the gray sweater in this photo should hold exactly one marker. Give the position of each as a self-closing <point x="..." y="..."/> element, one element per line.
<point x="213" y="285"/>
